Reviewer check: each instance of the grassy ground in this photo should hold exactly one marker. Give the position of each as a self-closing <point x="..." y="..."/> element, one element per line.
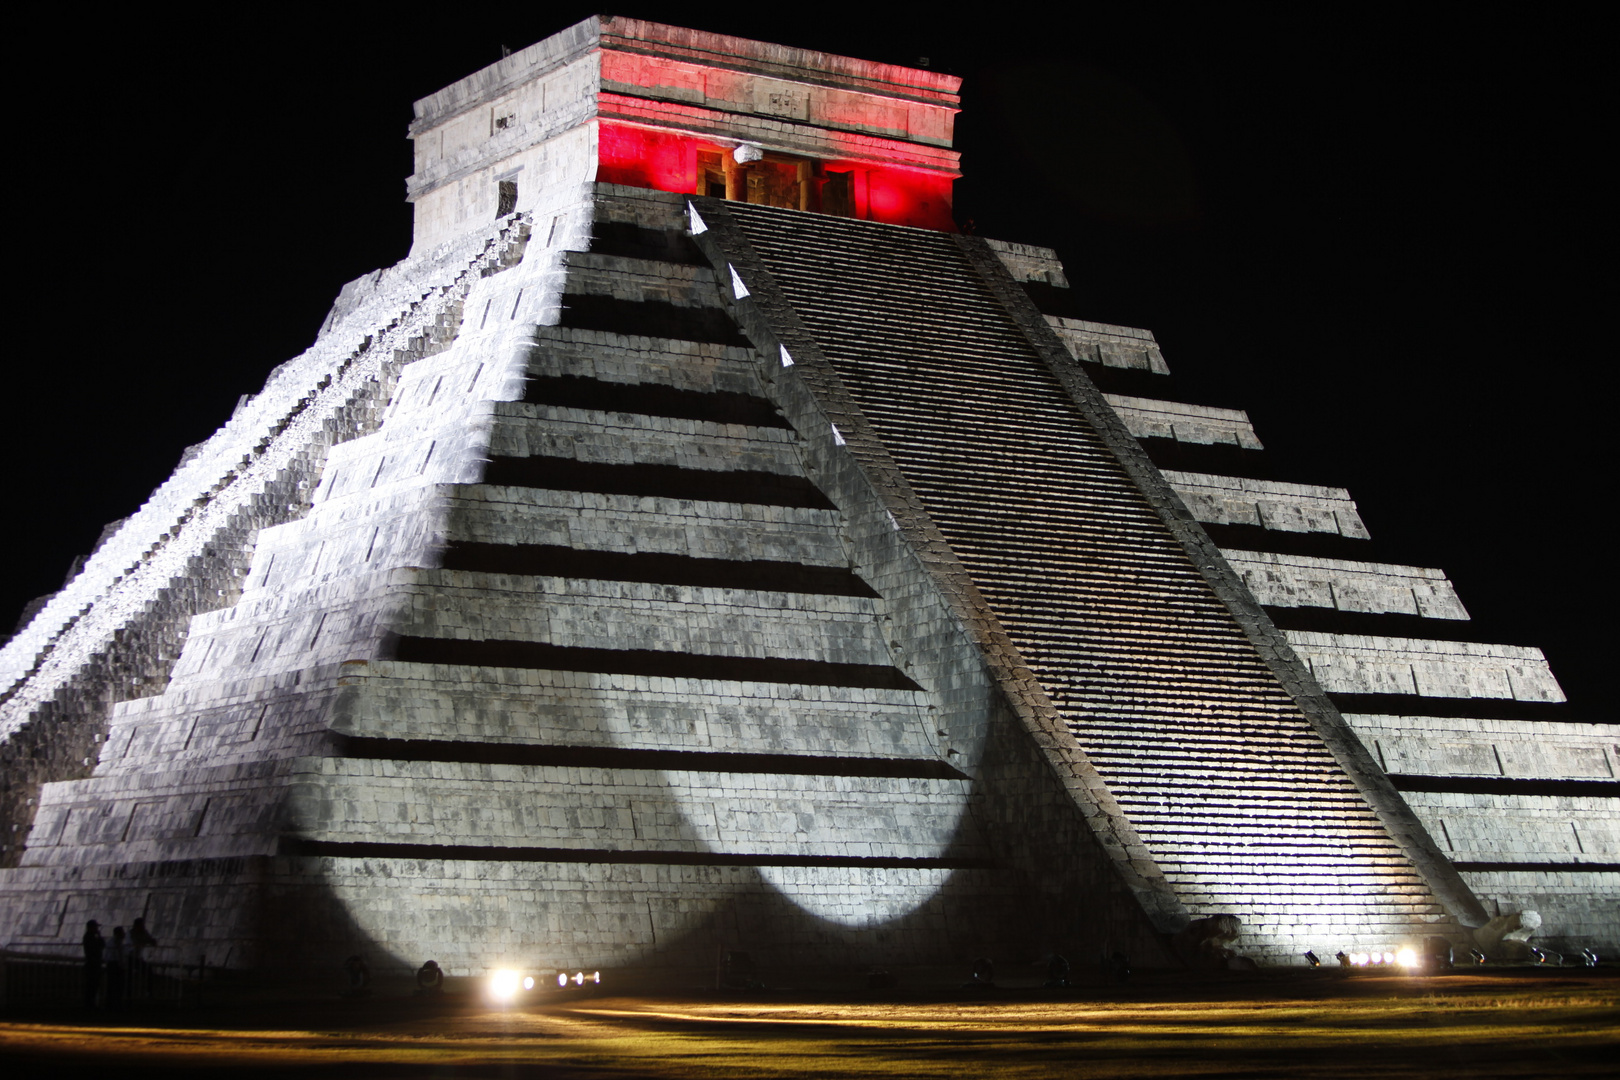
<point x="1521" y="1024"/>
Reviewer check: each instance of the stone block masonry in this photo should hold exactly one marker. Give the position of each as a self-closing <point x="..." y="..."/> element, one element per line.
<point x="356" y="744"/>
<point x="634" y="572"/>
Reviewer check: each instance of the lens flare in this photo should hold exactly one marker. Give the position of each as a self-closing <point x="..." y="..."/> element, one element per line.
<point x="504" y="985"/>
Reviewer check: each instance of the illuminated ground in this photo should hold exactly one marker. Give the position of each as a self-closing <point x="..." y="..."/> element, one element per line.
<point x="1527" y="1024"/>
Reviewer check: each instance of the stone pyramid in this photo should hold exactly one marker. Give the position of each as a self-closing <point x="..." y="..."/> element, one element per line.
<point x="696" y="545"/>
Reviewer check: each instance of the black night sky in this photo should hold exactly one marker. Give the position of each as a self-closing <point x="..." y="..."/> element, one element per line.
<point x="1378" y="231"/>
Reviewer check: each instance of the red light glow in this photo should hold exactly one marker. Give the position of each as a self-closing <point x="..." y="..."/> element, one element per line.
<point x="909" y="197"/>
<point x="667" y="161"/>
<point x="642" y="157"/>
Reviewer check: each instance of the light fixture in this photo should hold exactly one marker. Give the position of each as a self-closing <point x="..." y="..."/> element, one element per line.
<point x="504" y="985"/>
<point x="1312" y="959"/>
<point x="1479" y="957"/>
<point x="1407" y="958"/>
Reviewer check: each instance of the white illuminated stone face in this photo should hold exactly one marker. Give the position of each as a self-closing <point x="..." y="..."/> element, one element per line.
<point x="856" y="898"/>
<point x="326" y="672"/>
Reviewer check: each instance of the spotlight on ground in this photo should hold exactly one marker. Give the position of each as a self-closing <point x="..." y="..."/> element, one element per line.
<point x="1407" y="958"/>
<point x="1312" y="959"/>
<point x="504" y="985"/>
<point x="1343" y="958"/>
<point x="1479" y="957"/>
<point x="1590" y="957"/>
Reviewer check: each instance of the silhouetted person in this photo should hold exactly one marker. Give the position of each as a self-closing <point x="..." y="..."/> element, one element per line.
<point x="94" y="946"/>
<point x="359" y="976"/>
<point x="140" y="973"/>
<point x="1057" y="971"/>
<point x="117" y="968"/>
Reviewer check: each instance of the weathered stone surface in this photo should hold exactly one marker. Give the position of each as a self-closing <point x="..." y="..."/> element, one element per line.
<point x="1347" y="585"/>
<point x="425" y="652"/>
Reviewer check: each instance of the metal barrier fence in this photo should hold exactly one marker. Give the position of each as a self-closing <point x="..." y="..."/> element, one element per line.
<point x="30" y="979"/>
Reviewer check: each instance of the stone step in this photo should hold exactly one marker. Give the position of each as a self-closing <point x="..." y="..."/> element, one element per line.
<point x="1109" y="346"/>
<point x="394" y="699"/>
<point x="1522" y="828"/>
<point x="382" y="699"/>
<point x="721" y="408"/>
<point x="1515" y="749"/>
<point x="462" y="804"/>
<point x="1275" y="505"/>
<point x="523" y="430"/>
<point x="1155" y="418"/>
<point x="634" y="240"/>
<point x="636" y="296"/>
<point x="593" y="614"/>
<point x="1346" y="585"/>
<point x="1445" y="669"/>
<point x="649" y="524"/>
<point x="640" y="280"/>
<point x="754" y="575"/>
<point x="637" y="359"/>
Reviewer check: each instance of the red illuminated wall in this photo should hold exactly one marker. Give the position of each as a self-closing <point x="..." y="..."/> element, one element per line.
<point x="903" y="197"/>
<point x="642" y="157"/>
<point x="666" y="161"/>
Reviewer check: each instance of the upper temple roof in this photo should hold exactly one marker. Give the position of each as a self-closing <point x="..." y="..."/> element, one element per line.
<point x="676" y="51"/>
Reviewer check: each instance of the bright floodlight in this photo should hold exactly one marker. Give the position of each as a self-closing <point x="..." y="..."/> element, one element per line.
<point x="1406" y="958"/>
<point x="562" y="978"/>
<point x="504" y="984"/>
<point x="528" y="982"/>
<point x="1389" y="958"/>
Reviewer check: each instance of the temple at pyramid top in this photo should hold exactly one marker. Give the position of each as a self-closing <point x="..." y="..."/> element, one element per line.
<point x="653" y="106"/>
